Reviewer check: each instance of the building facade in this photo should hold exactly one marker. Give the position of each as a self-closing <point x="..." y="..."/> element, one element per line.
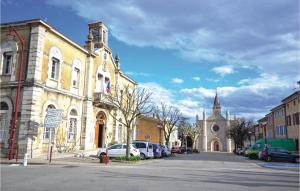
<point x="278" y="114"/>
<point x="214" y="130"/>
<point x="60" y="74"/>
<point x="149" y="129"/>
<point x="292" y="109"/>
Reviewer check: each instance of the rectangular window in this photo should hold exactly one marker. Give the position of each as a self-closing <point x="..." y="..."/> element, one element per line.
<point x="296" y="118"/>
<point x="72" y="129"/>
<point x="7" y="63"/>
<point x="76" y="78"/>
<point x="289" y="120"/>
<point x="55" y="69"/>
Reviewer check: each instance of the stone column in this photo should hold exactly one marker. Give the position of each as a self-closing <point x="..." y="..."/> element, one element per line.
<point x="204" y="132"/>
<point x="88" y="122"/>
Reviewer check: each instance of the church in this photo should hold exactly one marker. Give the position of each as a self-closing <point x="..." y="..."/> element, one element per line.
<point x="214" y="129"/>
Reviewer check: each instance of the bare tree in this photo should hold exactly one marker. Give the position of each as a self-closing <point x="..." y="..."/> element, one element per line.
<point x="169" y="117"/>
<point x="131" y="102"/>
<point x="188" y="129"/>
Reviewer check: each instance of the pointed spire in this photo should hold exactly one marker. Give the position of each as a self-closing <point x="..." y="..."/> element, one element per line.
<point x="217" y="100"/>
<point x="217" y="105"/>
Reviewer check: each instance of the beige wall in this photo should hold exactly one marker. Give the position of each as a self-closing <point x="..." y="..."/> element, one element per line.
<point x="292" y="107"/>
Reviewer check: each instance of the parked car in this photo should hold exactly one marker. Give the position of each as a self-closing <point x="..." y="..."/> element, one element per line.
<point x="118" y="150"/>
<point x="189" y="149"/>
<point x="279" y="154"/>
<point x="176" y="150"/>
<point x="288" y="144"/>
<point x="165" y="151"/>
<point x="243" y="150"/>
<point x="157" y="151"/>
<point x="145" y="148"/>
<point x="238" y="150"/>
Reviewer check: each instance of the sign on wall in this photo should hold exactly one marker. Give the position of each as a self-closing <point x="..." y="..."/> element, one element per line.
<point x="53" y="118"/>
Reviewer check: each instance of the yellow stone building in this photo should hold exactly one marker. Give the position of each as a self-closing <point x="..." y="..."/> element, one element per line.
<point x="278" y="115"/>
<point x="58" y="73"/>
<point x="292" y="109"/>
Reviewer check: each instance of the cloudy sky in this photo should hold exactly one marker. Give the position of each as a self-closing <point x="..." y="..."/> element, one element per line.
<point x="185" y="51"/>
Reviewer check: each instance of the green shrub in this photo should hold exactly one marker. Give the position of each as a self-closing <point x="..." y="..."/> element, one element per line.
<point x="131" y="158"/>
<point x="252" y="154"/>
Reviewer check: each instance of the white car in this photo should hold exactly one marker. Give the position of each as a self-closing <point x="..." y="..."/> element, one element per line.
<point x="119" y="150"/>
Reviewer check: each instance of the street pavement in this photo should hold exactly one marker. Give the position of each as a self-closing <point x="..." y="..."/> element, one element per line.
<point x="203" y="171"/>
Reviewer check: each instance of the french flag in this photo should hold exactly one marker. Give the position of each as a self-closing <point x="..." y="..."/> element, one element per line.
<point x="108" y="87"/>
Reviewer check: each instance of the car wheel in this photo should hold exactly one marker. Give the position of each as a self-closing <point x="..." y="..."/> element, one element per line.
<point x="131" y="154"/>
<point x="268" y="159"/>
<point x="143" y="156"/>
<point x="296" y="160"/>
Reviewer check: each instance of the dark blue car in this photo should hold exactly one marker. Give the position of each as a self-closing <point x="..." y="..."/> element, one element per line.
<point x="156" y="150"/>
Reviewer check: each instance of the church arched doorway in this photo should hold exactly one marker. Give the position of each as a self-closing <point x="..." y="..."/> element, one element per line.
<point x="100" y="130"/>
<point x="216" y="146"/>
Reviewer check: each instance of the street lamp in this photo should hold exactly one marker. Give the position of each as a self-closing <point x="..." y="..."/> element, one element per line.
<point x="185" y="136"/>
<point x="250" y="136"/>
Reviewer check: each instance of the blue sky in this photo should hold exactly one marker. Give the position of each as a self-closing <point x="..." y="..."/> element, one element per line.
<point x="184" y="51"/>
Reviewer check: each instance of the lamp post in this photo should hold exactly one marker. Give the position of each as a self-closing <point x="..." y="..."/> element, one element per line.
<point x="185" y="136"/>
<point x="250" y="137"/>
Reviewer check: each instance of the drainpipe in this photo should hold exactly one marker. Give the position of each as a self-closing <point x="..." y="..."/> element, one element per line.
<point x="12" y="141"/>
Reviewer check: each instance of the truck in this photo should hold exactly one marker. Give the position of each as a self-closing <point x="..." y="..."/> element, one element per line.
<point x="255" y="150"/>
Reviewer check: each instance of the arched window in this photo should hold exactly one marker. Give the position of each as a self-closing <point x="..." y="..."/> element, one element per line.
<point x="103" y="80"/>
<point x="72" y="129"/>
<point x="47" y="130"/>
<point x="4" y="121"/>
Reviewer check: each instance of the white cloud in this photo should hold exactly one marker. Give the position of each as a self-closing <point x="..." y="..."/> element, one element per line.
<point x="159" y="93"/>
<point x="196" y="78"/>
<point x="223" y="70"/>
<point x="177" y="81"/>
<point x="253" y="99"/>
<point x="239" y="33"/>
<point x="138" y="74"/>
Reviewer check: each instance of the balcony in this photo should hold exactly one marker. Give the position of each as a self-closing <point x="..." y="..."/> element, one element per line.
<point x="104" y="101"/>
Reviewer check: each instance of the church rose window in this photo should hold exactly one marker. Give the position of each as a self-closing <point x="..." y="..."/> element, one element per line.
<point x="216" y="128"/>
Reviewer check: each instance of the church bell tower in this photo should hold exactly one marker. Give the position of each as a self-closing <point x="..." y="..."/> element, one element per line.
<point x="100" y="34"/>
<point x="217" y="105"/>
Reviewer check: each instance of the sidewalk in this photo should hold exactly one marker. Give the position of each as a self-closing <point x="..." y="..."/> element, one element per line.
<point x="58" y="159"/>
<point x="77" y="158"/>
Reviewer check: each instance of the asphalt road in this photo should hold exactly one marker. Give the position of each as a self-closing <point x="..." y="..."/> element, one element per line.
<point x="204" y="171"/>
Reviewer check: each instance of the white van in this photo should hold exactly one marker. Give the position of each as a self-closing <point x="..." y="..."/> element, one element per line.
<point x="146" y="149"/>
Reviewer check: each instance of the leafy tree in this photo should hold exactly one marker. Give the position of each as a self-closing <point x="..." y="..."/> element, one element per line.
<point x="131" y="102"/>
<point x="239" y="131"/>
<point x="169" y="117"/>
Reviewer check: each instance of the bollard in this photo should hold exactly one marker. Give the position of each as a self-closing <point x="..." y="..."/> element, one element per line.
<point x="25" y="160"/>
<point x="17" y="153"/>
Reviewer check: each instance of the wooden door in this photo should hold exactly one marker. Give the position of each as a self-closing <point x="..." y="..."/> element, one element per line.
<point x="216" y="146"/>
